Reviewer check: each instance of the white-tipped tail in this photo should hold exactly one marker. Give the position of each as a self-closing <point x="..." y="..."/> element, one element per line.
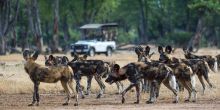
<point x="216" y="66"/>
<point x="172" y="82"/>
<point x="193" y="81"/>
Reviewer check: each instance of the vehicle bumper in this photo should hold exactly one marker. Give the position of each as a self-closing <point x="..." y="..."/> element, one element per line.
<point x="80" y="51"/>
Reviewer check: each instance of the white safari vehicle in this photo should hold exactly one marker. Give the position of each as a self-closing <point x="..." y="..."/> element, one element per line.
<point x="96" y="39"/>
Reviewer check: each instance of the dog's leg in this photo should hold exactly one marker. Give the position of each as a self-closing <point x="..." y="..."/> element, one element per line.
<point x="122" y="86"/>
<point x="188" y="89"/>
<point x="148" y="85"/>
<point x="152" y="98"/>
<point x="142" y="86"/>
<point x="208" y="81"/>
<point x="202" y="82"/>
<point x="79" y="89"/>
<point x="101" y="85"/>
<point x="75" y="93"/>
<point x="118" y="87"/>
<point x="64" y="85"/>
<point x="34" y="95"/>
<point x="37" y="93"/>
<point x="192" y="86"/>
<point x="145" y="86"/>
<point x="171" y="84"/>
<point x="125" y="91"/>
<point x="70" y="83"/>
<point x="137" y="86"/>
<point x="89" y="81"/>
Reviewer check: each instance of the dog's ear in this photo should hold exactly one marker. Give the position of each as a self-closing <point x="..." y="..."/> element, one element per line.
<point x="51" y="57"/>
<point x="65" y="59"/>
<point x="160" y="49"/>
<point x="147" y="49"/>
<point x="35" y="55"/>
<point x="116" y="67"/>
<point x="74" y="55"/>
<point x="26" y="54"/>
<point x="190" y="49"/>
<point x="168" y="49"/>
<point x="85" y="56"/>
<point x="184" y="49"/>
<point x="45" y="57"/>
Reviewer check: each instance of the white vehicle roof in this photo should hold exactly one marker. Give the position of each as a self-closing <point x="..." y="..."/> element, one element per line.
<point x="97" y="26"/>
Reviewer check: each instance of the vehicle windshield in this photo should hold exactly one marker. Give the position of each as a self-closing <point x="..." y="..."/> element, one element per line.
<point x="99" y="34"/>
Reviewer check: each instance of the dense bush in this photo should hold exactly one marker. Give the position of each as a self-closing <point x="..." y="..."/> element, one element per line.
<point x="178" y="38"/>
<point x="126" y="37"/>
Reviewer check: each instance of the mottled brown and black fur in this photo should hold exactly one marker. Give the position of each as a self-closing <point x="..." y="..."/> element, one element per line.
<point x="201" y="69"/>
<point x="143" y="54"/>
<point x="134" y="72"/>
<point x="183" y="72"/>
<point x="90" y="68"/>
<point x="212" y="61"/>
<point x="51" y="74"/>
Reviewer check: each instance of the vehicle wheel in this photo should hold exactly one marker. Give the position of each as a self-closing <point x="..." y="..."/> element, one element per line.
<point x="91" y="52"/>
<point x="109" y="52"/>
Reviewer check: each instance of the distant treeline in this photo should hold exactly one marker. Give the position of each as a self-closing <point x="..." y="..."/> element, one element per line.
<point x="55" y="23"/>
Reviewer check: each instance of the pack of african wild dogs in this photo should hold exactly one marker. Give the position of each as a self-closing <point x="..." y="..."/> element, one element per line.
<point x="145" y="75"/>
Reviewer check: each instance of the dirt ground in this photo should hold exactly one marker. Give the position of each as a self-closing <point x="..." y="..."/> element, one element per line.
<point x="107" y="102"/>
<point x="16" y="89"/>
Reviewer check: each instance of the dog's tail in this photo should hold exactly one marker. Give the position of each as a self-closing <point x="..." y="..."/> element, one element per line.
<point x="206" y="69"/>
<point x="216" y="65"/>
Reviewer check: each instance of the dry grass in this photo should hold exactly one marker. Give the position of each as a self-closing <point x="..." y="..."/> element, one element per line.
<point x="14" y="80"/>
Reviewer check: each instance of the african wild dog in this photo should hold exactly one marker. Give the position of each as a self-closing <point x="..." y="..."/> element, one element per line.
<point x="52" y="74"/>
<point x="212" y="61"/>
<point x="134" y="72"/>
<point x="184" y="74"/>
<point x="144" y="56"/>
<point x="88" y="71"/>
<point x="90" y="68"/>
<point x="55" y="61"/>
<point x="199" y="67"/>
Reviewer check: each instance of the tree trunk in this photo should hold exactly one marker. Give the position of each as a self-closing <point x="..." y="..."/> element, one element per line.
<point x="195" y="40"/>
<point x="55" y="27"/>
<point x="14" y="39"/>
<point x="143" y="23"/>
<point x="37" y="24"/>
<point x="7" y="21"/>
<point x="34" y="23"/>
<point x="85" y="9"/>
<point x="2" y="45"/>
<point x="66" y="30"/>
<point x="217" y="34"/>
<point x="24" y="35"/>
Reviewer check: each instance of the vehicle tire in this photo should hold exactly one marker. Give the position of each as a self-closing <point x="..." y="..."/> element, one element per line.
<point x="109" y="51"/>
<point x="92" y="52"/>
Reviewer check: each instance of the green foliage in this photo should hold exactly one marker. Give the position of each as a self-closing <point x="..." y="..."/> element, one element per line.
<point x="74" y="35"/>
<point x="179" y="38"/>
<point x="127" y="37"/>
<point x="163" y="18"/>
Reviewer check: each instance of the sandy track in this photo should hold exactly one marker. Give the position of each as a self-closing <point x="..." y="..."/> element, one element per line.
<point x="108" y="102"/>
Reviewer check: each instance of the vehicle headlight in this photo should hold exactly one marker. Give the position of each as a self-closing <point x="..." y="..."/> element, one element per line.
<point x="85" y="46"/>
<point x="72" y="46"/>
